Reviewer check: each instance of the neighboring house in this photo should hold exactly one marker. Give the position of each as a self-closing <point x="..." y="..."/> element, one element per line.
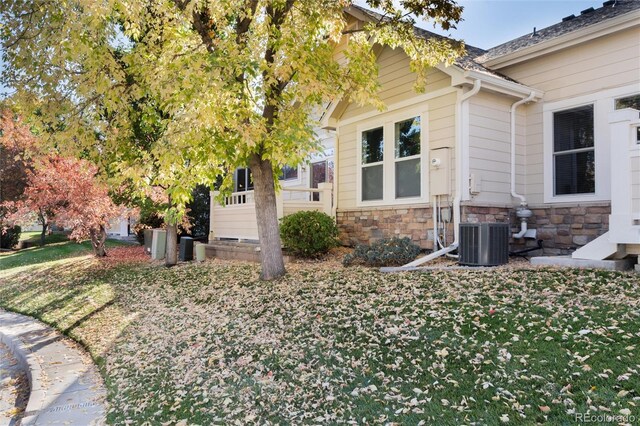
<point x="304" y="187"/>
<point x="120" y="227"/>
<point x="532" y="125"/>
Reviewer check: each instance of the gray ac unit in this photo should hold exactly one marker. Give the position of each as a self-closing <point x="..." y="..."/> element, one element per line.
<point x="484" y="244"/>
<point x="158" y="244"/>
<point x="148" y="238"/>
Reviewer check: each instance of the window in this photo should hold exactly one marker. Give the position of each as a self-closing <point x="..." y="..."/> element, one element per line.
<point x="632" y="101"/>
<point x="574" y="151"/>
<point x="407" y="158"/>
<point x="372" y="164"/>
<point x="289" y="172"/>
<point x="244" y="180"/>
<point x="392" y="172"/>
<point x="321" y="171"/>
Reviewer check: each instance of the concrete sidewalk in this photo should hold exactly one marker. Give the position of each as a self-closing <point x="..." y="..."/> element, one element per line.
<point x="66" y="388"/>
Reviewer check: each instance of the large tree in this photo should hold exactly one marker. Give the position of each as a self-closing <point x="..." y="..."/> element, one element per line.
<point x="237" y="81"/>
<point x="16" y="142"/>
<point x="68" y="191"/>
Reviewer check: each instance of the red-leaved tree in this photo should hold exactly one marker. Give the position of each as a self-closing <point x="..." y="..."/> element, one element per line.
<point x="16" y="144"/>
<point x="15" y="140"/>
<point x="68" y="189"/>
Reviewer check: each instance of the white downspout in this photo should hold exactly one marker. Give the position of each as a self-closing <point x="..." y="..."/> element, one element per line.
<point x="523" y="200"/>
<point x="523" y="212"/>
<point x="336" y="156"/>
<point x="460" y="150"/>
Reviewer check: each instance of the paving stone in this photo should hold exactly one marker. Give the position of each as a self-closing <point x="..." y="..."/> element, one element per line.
<point x="14" y="387"/>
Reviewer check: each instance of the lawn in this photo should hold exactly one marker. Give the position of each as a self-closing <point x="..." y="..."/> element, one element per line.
<point x="211" y="344"/>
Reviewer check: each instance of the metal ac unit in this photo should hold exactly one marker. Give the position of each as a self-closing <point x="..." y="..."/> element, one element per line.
<point x="159" y="244"/>
<point x="148" y="239"/>
<point x="484" y="244"/>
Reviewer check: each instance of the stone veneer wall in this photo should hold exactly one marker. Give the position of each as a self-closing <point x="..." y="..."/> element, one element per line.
<point x="562" y="229"/>
<point x="367" y="225"/>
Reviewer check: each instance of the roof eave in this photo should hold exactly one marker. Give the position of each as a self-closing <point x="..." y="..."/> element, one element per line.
<point x="628" y="20"/>
<point x="461" y="77"/>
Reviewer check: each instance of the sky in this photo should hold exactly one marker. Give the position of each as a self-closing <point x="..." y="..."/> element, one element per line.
<point x="488" y="23"/>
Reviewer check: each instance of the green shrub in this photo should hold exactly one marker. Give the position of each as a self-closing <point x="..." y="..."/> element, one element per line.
<point x="308" y="233"/>
<point x="386" y="252"/>
<point x="10" y="237"/>
<point x="149" y="218"/>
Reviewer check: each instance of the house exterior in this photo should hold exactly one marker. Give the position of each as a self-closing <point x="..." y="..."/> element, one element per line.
<point x="540" y="132"/>
<point x="307" y="186"/>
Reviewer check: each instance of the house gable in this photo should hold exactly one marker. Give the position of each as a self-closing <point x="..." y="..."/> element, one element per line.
<point x="396" y="83"/>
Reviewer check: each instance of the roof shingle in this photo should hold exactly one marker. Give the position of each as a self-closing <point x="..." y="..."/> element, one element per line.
<point x="588" y="17"/>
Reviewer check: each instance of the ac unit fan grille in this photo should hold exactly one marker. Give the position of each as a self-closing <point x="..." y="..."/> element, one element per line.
<point x="484" y="244"/>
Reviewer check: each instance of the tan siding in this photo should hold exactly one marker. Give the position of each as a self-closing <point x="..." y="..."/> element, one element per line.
<point x="490" y="147"/>
<point x="535" y="154"/>
<point x="347" y="166"/>
<point x="235" y="222"/>
<point x="605" y="63"/>
<point x="396" y="81"/>
<point x="441" y="133"/>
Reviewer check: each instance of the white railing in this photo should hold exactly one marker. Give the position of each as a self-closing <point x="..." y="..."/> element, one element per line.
<point x="624" y="221"/>
<point x="237" y="198"/>
<point x="235" y="218"/>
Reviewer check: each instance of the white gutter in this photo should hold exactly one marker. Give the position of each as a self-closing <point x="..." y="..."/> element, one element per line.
<point x="460" y="150"/>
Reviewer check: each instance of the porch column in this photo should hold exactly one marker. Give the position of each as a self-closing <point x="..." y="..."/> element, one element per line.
<point x="326" y="197"/>
<point x="624" y="151"/>
<point x="279" y="204"/>
<point x="213" y="195"/>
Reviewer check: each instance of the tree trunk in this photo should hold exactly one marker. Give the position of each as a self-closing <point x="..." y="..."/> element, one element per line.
<point x="97" y="242"/>
<point x="171" y="255"/>
<point x="271" y="258"/>
<point x="43" y="235"/>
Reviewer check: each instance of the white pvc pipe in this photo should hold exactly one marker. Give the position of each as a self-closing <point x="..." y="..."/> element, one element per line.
<point x="434" y="206"/>
<point x="523" y="230"/>
<point x="523" y="200"/>
<point x="431" y="256"/>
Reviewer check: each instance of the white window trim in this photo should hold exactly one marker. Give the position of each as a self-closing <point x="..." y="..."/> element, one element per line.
<point x="603" y="103"/>
<point x="389" y="160"/>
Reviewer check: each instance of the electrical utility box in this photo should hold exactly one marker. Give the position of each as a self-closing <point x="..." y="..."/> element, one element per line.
<point x="439" y="171"/>
<point x="186" y="249"/>
<point x="159" y="244"/>
<point x="484" y="244"/>
<point x="148" y="239"/>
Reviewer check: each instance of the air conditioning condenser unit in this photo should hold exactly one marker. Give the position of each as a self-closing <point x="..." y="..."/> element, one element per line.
<point x="484" y="244"/>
